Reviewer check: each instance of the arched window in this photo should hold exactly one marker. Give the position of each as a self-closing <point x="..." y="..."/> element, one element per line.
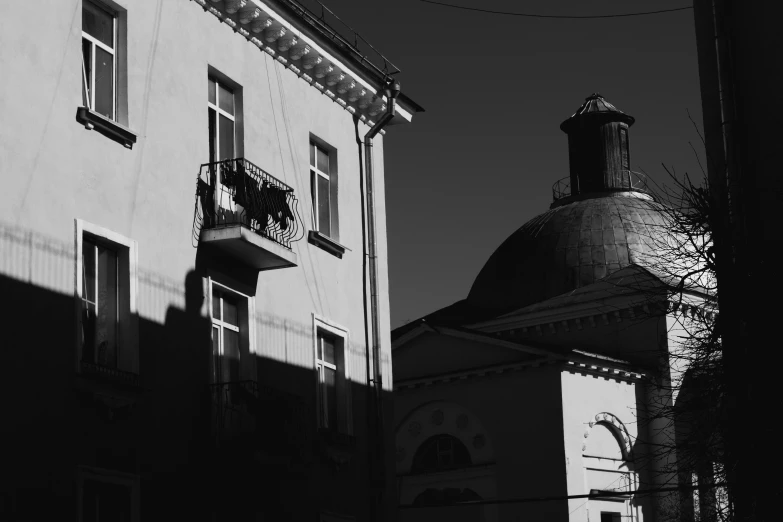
<point x="440" y="453"/>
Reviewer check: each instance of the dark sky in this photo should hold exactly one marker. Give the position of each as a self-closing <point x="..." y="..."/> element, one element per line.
<point x="480" y="162"/>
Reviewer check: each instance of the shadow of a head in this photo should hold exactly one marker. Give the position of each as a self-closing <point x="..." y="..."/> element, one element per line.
<point x="194" y="293"/>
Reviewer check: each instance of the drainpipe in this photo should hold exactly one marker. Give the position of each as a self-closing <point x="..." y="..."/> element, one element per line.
<point x="378" y="469"/>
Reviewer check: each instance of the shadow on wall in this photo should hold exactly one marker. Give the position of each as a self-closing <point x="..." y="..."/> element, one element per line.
<point x="186" y="447"/>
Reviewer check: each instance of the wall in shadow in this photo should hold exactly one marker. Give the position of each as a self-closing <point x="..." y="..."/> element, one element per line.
<point x="194" y="459"/>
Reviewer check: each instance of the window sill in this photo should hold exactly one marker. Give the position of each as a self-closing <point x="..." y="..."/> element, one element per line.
<point x="326" y="243"/>
<point x="111" y="129"/>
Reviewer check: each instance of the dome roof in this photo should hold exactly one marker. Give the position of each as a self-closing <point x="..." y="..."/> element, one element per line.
<point x="568" y="247"/>
<point x="595" y="107"/>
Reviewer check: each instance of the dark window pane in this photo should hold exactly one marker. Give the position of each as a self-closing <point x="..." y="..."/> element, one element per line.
<point x="328" y="350"/>
<point x="330" y="396"/>
<point x="323" y="205"/>
<point x="212" y="135"/>
<point x="216" y="305"/>
<point x="98" y="23"/>
<point x="215" y="354"/>
<point x="104" y="83"/>
<point x="230" y="357"/>
<point x="323" y="161"/>
<point x="230" y="312"/>
<point x="226" y="101"/>
<point x="211" y="90"/>
<point x="312" y="155"/>
<point x="106" y="333"/>
<point x="88" y="270"/>
<point x="86" y="73"/>
<point x="226" y="138"/>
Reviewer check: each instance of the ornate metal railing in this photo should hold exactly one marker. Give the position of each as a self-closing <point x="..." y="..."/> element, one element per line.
<point x="233" y="407"/>
<point x="630" y="180"/>
<point x="236" y="191"/>
<point x="561" y="188"/>
<point x="109" y="373"/>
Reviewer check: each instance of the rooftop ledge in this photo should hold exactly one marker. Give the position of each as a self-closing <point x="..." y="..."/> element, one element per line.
<point x="356" y="86"/>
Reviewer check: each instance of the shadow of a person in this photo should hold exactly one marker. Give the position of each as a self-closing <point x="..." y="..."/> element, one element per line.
<point x="183" y="371"/>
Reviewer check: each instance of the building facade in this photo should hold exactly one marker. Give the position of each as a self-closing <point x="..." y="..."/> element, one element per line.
<point x="538" y="397"/>
<point x="184" y="240"/>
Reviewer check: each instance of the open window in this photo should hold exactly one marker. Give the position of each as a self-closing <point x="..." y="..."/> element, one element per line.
<point x="104" y="71"/>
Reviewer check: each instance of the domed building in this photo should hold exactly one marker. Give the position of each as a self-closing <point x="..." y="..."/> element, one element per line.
<point x="528" y="400"/>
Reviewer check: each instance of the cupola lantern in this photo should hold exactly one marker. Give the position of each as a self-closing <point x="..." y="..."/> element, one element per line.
<point x="598" y="149"/>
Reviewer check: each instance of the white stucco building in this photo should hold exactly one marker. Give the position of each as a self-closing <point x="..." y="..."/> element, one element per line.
<point x="183" y="237"/>
<point x="533" y="396"/>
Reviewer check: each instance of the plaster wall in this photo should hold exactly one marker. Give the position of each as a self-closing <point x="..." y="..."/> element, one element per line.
<point x="585" y="396"/>
<point x="434" y="354"/>
<point x="55" y="171"/>
<point x="522" y="418"/>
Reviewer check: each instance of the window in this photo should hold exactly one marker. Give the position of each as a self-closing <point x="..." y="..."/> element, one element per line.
<point x="222" y="121"/>
<point x="323" y="187"/>
<point x="624" y="148"/>
<point x="609" y="516"/>
<point x="333" y="396"/>
<point x="106" y="296"/>
<point x="440" y="453"/>
<point x="107" y="496"/>
<point x="225" y="335"/>
<point x="99" y="59"/>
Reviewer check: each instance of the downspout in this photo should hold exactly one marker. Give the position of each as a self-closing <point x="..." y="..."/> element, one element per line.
<point x="377" y="466"/>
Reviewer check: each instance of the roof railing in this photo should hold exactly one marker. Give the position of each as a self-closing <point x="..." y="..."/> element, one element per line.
<point x="631" y="180"/>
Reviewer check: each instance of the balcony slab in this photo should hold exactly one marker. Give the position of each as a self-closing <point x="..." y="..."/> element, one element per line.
<point x="252" y="249"/>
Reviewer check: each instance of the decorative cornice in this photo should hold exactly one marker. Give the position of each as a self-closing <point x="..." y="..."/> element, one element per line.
<point x="574" y="363"/>
<point x="558" y="323"/>
<point x="298" y="52"/>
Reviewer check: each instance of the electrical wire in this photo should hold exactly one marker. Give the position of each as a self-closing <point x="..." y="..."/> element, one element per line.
<point x="529" y="15"/>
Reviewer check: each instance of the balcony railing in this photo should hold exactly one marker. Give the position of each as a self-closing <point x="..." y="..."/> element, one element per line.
<point x="631" y="180"/>
<point x="237" y="192"/>
<point x="233" y="408"/>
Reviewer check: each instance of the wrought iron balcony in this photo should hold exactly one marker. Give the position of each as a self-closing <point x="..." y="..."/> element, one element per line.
<point x="246" y="213"/>
<point x="631" y="181"/>
<point x="268" y="425"/>
<point x="233" y="409"/>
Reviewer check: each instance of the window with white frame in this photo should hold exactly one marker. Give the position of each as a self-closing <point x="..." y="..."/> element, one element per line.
<point x="323" y="189"/>
<point x="106" y="292"/>
<point x="332" y="378"/>
<point x="107" y="496"/>
<point x="226" y="335"/>
<point x="99" y="59"/>
<point x="222" y="108"/>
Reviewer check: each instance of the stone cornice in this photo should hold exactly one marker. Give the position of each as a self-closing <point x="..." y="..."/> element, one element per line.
<point x="575" y="362"/>
<point x="304" y="56"/>
<point x="552" y="322"/>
